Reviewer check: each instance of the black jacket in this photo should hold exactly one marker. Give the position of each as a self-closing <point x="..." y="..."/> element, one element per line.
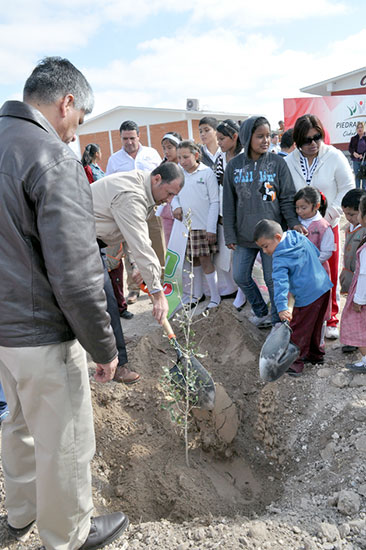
<point x="51" y="277"/>
<point x="353" y="145"/>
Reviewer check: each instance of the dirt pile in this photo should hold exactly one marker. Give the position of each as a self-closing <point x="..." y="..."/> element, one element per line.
<point x="293" y="477"/>
<point x="144" y="451"/>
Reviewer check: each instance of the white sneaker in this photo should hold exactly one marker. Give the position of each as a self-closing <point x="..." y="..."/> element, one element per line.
<point x="213" y="304"/>
<point x="332" y="333"/>
<point x="261" y="322"/>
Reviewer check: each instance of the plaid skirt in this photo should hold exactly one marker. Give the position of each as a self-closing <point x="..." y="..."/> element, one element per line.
<point x="200" y="245"/>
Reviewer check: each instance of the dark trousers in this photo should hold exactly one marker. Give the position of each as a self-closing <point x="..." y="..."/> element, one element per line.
<point x="116" y="276"/>
<point x="306" y="325"/>
<point x="112" y="308"/>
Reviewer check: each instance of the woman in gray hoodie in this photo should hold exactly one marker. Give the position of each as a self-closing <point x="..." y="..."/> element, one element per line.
<point x="257" y="185"/>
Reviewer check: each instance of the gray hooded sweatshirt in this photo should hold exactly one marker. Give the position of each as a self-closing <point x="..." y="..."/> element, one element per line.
<point x="256" y="190"/>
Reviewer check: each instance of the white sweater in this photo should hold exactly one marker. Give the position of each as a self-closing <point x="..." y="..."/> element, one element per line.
<point x="200" y="194"/>
<point x="333" y="176"/>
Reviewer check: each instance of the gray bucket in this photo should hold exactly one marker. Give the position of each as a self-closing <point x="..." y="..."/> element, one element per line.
<point x="277" y="353"/>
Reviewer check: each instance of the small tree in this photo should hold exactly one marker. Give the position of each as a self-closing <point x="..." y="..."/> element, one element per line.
<point x="180" y="383"/>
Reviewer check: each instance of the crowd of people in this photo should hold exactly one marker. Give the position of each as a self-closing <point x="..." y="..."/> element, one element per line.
<point x="69" y="230"/>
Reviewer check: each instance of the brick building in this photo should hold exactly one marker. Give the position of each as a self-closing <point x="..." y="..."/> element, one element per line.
<point x="103" y="129"/>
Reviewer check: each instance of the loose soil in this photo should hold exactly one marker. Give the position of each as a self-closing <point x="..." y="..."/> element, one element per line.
<point x="292" y="478"/>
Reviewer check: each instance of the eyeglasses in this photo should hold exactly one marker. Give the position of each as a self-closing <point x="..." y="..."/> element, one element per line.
<point x="309" y="140"/>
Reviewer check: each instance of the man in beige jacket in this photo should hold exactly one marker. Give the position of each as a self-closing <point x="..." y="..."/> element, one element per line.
<point x="122" y="203"/>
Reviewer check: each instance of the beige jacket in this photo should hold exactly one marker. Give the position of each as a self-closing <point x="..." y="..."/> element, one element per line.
<point x="122" y="203"/>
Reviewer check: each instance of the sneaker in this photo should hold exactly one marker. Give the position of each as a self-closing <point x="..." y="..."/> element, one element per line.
<point x="332" y="333"/>
<point x="261" y="322"/>
<point x="212" y="304"/>
<point x="21" y="534"/>
<point x="359" y="366"/>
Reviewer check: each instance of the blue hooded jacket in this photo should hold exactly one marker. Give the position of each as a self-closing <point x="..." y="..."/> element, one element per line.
<point x="296" y="268"/>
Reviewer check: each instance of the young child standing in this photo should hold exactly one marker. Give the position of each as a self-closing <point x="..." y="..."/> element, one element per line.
<point x="297" y="269"/>
<point x="310" y="206"/>
<point x="257" y="185"/>
<point x="169" y="145"/>
<point x="353" y="321"/>
<point x="354" y="234"/>
<point x="210" y="149"/>
<point x="200" y="195"/>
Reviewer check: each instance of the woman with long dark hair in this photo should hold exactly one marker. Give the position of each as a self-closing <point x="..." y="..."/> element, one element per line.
<point x="227" y="133"/>
<point x="91" y="156"/>
<point x="257" y="185"/>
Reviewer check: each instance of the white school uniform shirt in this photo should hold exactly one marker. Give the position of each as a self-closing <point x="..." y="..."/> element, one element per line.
<point x="200" y="195"/>
<point x="327" y="245"/>
<point x="210" y="155"/>
<point x="147" y="159"/>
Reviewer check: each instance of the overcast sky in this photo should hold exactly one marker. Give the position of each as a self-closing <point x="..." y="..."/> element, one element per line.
<point x="234" y="56"/>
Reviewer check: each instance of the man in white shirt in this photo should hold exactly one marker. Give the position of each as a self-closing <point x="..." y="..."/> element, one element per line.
<point x="134" y="156"/>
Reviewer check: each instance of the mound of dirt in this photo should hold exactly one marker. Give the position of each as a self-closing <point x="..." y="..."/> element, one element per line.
<point x="144" y="451"/>
<point x="293" y="478"/>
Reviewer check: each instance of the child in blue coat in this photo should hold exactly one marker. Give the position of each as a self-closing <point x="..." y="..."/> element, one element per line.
<point x="296" y="268"/>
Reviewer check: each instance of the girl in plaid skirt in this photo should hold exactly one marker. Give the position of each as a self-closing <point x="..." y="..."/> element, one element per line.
<point x="199" y="199"/>
<point x="353" y="322"/>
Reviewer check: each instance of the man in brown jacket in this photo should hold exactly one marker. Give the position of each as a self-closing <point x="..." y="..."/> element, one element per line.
<point x="51" y="301"/>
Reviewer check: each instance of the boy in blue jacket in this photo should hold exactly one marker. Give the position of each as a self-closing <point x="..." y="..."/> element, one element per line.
<point x="296" y="268"/>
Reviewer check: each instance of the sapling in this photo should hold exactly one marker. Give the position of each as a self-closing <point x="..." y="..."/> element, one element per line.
<point x="180" y="383"/>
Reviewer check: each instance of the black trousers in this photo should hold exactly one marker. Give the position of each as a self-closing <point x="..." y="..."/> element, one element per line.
<point x="112" y="308"/>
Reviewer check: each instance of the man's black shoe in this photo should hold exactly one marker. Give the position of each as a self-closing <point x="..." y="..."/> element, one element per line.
<point x="126" y="314"/>
<point x="104" y="530"/>
<point x="21" y="534"/>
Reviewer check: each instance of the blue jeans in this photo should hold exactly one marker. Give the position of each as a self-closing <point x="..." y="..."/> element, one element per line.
<point x="3" y="404"/>
<point x="243" y="261"/>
